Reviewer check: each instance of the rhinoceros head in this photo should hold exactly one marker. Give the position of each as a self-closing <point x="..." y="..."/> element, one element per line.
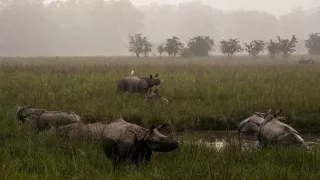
<point x="159" y="142"/>
<point x="153" y="80"/>
<point x="263" y="114"/>
<point x="153" y="95"/>
<point x="268" y="111"/>
<point x="23" y="112"/>
<point x="269" y="116"/>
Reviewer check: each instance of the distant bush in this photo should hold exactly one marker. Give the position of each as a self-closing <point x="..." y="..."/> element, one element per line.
<point x="230" y="47"/>
<point x="273" y="49"/>
<point x="200" y="45"/>
<point x="286" y="46"/>
<point x="139" y="44"/>
<point x="161" y="49"/>
<point x="313" y="44"/>
<point x="173" y="46"/>
<point x="255" y="47"/>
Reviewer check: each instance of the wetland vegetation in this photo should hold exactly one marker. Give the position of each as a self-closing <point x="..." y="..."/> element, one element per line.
<point x="213" y="93"/>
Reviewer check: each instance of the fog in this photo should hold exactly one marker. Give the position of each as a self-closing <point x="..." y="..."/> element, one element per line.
<point x="271" y="6"/>
<point x="94" y="27"/>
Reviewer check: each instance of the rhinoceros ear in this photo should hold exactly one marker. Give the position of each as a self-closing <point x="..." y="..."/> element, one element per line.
<point x="268" y="110"/>
<point x="140" y="133"/>
<point x="277" y="113"/>
<point x="150" y="76"/>
<point x="156" y="75"/>
<point x="145" y="136"/>
<point x="150" y="130"/>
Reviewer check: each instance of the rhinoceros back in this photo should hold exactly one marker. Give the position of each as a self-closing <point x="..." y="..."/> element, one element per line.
<point x="57" y="118"/>
<point x="131" y="84"/>
<point x="81" y="130"/>
<point x="95" y="129"/>
<point x="73" y="130"/>
<point x="115" y="130"/>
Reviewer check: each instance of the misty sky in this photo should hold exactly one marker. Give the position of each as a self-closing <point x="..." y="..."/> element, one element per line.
<point x="94" y="28"/>
<point x="276" y="7"/>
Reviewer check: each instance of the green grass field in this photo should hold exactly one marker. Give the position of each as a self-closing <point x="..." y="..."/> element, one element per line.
<point x="213" y="93"/>
<point x="204" y="94"/>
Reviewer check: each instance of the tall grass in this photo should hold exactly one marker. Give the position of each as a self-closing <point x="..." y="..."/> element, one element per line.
<point x="29" y="156"/>
<point x="214" y="94"/>
<point x="205" y="94"/>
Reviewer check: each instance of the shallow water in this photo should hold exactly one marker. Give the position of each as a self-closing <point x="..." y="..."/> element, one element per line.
<point x="233" y="135"/>
<point x="219" y="139"/>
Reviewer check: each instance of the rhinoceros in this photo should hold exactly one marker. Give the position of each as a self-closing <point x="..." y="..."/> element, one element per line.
<point x="137" y="83"/>
<point x="306" y="61"/>
<point x="155" y="95"/>
<point x="42" y="119"/>
<point x="123" y="141"/>
<point x="273" y="132"/>
<point x="80" y="130"/>
<point x="251" y="125"/>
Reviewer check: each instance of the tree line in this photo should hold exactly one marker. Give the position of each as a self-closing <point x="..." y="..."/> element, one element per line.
<point x="202" y="45"/>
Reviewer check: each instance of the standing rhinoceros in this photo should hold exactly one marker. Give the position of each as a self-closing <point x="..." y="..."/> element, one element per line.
<point x="124" y="141"/>
<point x="137" y="84"/>
<point x="306" y="61"/>
<point x="42" y="119"/>
<point x="155" y="95"/>
<point x="80" y="130"/>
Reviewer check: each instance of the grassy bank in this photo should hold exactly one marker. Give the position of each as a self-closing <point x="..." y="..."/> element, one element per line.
<point x="205" y="94"/>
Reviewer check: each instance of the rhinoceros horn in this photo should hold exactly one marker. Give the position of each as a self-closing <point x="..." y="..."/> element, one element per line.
<point x="268" y="110"/>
